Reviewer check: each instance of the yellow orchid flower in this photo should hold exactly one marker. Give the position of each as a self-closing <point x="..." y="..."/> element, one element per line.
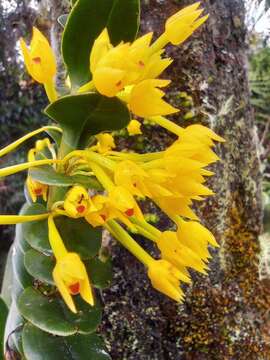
<point x="69" y="274"/>
<point x="145" y="99"/>
<point x="100" y="48"/>
<point x="36" y="189"/>
<point x="196" y="237"/>
<point x="177" y="253"/>
<point x="129" y="174"/>
<point x="40" y="62"/>
<point x="77" y="202"/>
<point x="166" y="278"/>
<point x="163" y="275"/>
<point x="134" y="128"/>
<point x="181" y="25"/>
<point x="105" y="143"/>
<point x="114" y="68"/>
<point x="121" y="199"/>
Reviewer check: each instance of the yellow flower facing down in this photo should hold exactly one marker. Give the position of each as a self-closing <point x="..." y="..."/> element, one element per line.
<point x="182" y="24"/>
<point x="177" y="253"/>
<point x="77" y="202"/>
<point x="105" y="143"/>
<point x="166" y="278"/>
<point x="134" y="128"/>
<point x="40" y="61"/>
<point x="69" y="274"/>
<point x="36" y="189"/>
<point x="145" y="99"/>
<point x="71" y="278"/>
<point x="121" y="199"/>
<point x="196" y="237"/>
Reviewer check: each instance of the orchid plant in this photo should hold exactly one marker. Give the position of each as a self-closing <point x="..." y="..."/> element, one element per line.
<point x="78" y="183"/>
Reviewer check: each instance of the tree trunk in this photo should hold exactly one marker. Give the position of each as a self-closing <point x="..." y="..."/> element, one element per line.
<point x="224" y="316"/>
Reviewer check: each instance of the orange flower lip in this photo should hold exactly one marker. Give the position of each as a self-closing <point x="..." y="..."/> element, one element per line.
<point x="38" y="191"/>
<point x="129" y="212"/>
<point x="80" y="209"/>
<point x="37" y="60"/>
<point x="75" y="288"/>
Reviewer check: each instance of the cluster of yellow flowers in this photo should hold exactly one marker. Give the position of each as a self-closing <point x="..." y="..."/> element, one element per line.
<point x="173" y="179"/>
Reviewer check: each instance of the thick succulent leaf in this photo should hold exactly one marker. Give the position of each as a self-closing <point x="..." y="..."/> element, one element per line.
<point x="50" y="314"/>
<point x="36" y="232"/>
<point x="99" y="272"/>
<point x="39" y="266"/>
<point x="88" y="18"/>
<point x="79" y="236"/>
<point x="47" y="175"/>
<point x="7" y="280"/>
<point x="56" y="136"/>
<point x="39" y="345"/>
<point x="19" y="271"/>
<point x="13" y="328"/>
<point x="3" y="319"/>
<point x="83" y="115"/>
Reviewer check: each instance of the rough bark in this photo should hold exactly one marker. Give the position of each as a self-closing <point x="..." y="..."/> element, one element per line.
<point x="224" y="316"/>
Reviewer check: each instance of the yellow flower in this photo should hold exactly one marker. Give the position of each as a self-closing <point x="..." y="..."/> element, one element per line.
<point x="100" y="48"/>
<point x="71" y="278"/>
<point x="182" y="24"/>
<point x="36" y="189"/>
<point x="105" y="143"/>
<point x="69" y="274"/>
<point x="176" y="205"/>
<point x="77" y="202"/>
<point x="114" y="68"/>
<point x="118" y="205"/>
<point x="145" y="99"/>
<point x="166" y="278"/>
<point x="134" y="127"/>
<point x="40" y="61"/>
<point x="121" y="199"/>
<point x="177" y="253"/>
<point x="196" y="237"/>
<point x="130" y="175"/>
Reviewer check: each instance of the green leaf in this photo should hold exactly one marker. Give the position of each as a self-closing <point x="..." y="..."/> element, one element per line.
<point x="79" y="236"/>
<point x="38" y="345"/>
<point x="13" y="327"/>
<point x="7" y="280"/>
<point x="3" y="319"/>
<point x="50" y="314"/>
<point x="36" y="232"/>
<point x="47" y="175"/>
<point x="88" y="18"/>
<point x="99" y="272"/>
<point x="19" y="271"/>
<point x="39" y="266"/>
<point x="83" y="115"/>
<point x="56" y="136"/>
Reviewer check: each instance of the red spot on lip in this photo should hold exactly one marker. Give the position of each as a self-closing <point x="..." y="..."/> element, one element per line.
<point x="38" y="191"/>
<point x="75" y="288"/>
<point x="119" y="83"/>
<point x="141" y="64"/>
<point x="129" y="212"/>
<point x="80" y="209"/>
<point x="37" y="60"/>
<point x="103" y="217"/>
